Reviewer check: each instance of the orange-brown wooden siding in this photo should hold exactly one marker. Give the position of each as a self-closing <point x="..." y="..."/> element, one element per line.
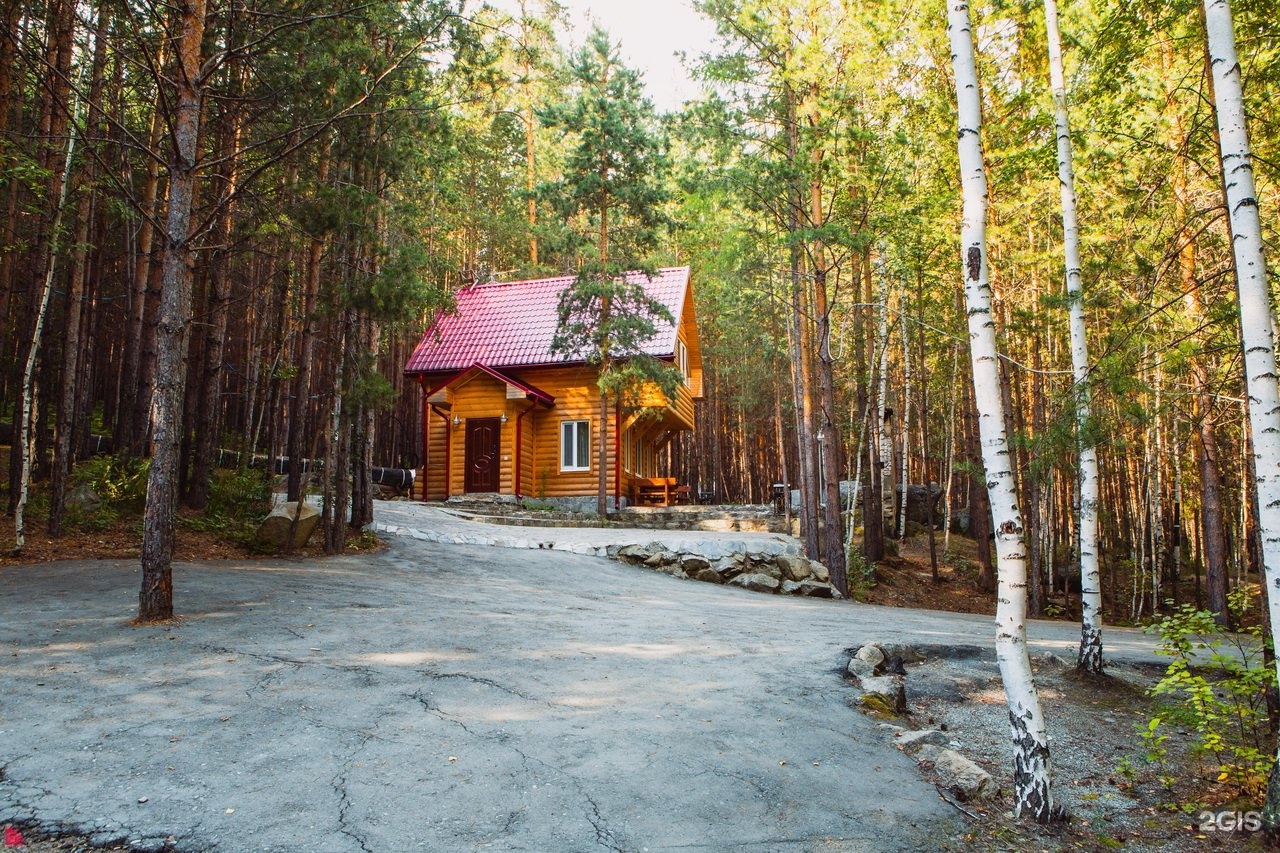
<point x="577" y="399"/>
<point x="436" y="434"/>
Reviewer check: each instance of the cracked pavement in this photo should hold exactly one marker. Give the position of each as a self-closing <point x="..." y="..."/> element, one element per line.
<point x="449" y="697"/>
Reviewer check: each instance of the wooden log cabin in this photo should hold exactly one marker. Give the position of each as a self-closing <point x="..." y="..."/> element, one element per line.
<point x="503" y="415"/>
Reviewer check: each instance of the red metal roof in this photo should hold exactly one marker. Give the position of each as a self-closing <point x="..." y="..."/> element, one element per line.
<point x="511" y="324"/>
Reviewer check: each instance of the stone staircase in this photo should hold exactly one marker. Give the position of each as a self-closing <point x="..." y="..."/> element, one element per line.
<point x="505" y="509"/>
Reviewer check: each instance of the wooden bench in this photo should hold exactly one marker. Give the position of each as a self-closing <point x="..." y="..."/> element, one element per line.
<point x="654" y="491"/>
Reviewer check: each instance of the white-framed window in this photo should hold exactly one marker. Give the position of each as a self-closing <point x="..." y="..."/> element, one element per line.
<point x="682" y="360"/>
<point x="637" y="459"/>
<point x="575" y="445"/>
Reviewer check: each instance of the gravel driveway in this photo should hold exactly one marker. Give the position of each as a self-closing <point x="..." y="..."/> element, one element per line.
<point x="449" y="697"/>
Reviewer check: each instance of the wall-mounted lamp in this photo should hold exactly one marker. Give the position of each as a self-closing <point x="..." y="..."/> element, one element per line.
<point x="457" y="421"/>
<point x="503" y="419"/>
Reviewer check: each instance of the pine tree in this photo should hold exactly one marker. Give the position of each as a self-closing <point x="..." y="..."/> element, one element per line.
<point x="611" y="199"/>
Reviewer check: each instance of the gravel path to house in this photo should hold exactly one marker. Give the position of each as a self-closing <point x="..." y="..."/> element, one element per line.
<point x="450" y="697"/>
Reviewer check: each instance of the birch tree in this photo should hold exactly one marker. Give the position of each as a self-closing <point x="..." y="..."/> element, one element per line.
<point x="1256" y="317"/>
<point x="1089" y="658"/>
<point x="1033" y="793"/>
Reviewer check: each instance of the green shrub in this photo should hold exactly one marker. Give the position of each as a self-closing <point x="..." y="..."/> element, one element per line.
<point x="859" y="574"/>
<point x="1222" y="698"/>
<point x="239" y="494"/>
<point x="115" y="480"/>
<point x="238" y="501"/>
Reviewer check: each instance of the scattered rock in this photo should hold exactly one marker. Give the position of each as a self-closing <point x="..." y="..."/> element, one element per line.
<point x="708" y="575"/>
<point x="757" y="582"/>
<point x="83" y="499"/>
<point x="860" y="669"/>
<point x="913" y="742"/>
<point x="877" y="704"/>
<point x="1050" y="659"/>
<point x="902" y="652"/>
<point x="817" y="589"/>
<point x="872" y="653"/>
<point x="276" y="527"/>
<point x="967" y="781"/>
<point x="819" y="571"/>
<point x="890" y="687"/>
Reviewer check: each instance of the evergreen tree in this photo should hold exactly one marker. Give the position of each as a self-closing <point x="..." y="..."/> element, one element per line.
<point x="610" y="198"/>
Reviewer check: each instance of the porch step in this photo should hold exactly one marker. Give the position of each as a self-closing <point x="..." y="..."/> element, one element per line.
<point x="750" y="519"/>
<point x="725" y="518"/>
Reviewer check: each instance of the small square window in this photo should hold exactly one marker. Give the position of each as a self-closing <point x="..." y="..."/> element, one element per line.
<point x="575" y="446"/>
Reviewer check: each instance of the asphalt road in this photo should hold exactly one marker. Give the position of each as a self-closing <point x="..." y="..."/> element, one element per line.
<point x="446" y="697"/>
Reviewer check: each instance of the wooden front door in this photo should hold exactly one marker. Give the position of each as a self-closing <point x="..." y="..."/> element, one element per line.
<point x="484" y="459"/>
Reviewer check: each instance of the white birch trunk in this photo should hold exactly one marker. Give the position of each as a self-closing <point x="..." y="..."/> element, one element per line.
<point x="951" y="455"/>
<point x="1090" y="655"/>
<point x="906" y="426"/>
<point x="1031" y="771"/>
<point x="1256" y="319"/>
<point x="24" y="434"/>
<point x="884" y="438"/>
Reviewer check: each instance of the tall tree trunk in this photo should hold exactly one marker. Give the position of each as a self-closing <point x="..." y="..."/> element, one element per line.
<point x="209" y="405"/>
<point x="299" y="414"/>
<point x="906" y="427"/>
<point x="1257" y="322"/>
<point x="1033" y="793"/>
<point x="872" y="498"/>
<point x="24" y="437"/>
<point x="1089" y="657"/>
<point x="801" y="355"/>
<point x="65" y="422"/>
<point x="155" y="601"/>
<point x="830" y="443"/>
<point x="135" y="394"/>
<point x="52" y="157"/>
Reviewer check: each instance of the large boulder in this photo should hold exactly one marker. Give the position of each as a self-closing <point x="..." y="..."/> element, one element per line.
<point x="635" y="553"/>
<point x="707" y="575"/>
<point x="921" y="502"/>
<point x="817" y="589"/>
<point x="769" y="568"/>
<point x="275" y="529"/>
<point x="693" y="563"/>
<point x="968" y="781"/>
<point x="890" y="688"/>
<point x="757" y="582"/>
<point x="83" y="499"/>
<point x="872" y="653"/>
<point x="794" y="567"/>
<point x="913" y="742"/>
<point x="730" y="566"/>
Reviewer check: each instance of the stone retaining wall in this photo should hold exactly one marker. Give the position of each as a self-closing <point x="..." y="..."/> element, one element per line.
<point x="774" y="570"/>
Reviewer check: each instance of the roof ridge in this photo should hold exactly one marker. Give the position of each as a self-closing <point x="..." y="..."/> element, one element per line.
<point x="477" y="285"/>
